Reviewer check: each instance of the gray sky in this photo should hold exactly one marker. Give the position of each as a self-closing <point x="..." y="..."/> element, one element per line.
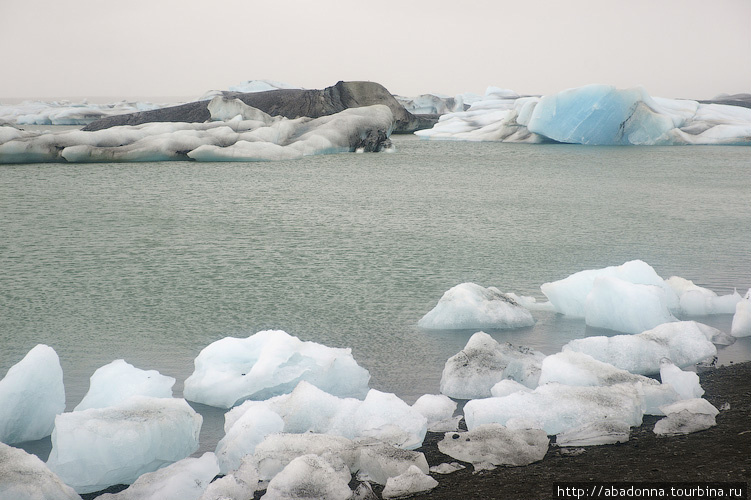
<point x="128" y="48"/>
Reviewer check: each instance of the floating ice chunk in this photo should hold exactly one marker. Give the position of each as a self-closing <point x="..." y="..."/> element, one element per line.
<point x="31" y="394"/>
<point x="386" y="417"/>
<point x="469" y="305"/>
<point x="508" y="386"/>
<point x="686" y="384"/>
<point x="699" y="301"/>
<point x="439" y="410"/>
<point x="94" y="449"/>
<point x="410" y="483"/>
<point x="741" y="326"/>
<point x="271" y="363"/>
<point x="24" y="477"/>
<point x="183" y="480"/>
<point x="569" y="295"/>
<point x="276" y="451"/>
<point x="486" y="446"/>
<point x="560" y="407"/>
<point x="579" y="369"/>
<point x="595" y="434"/>
<point x="114" y="383"/>
<point x="240" y="484"/>
<point x="242" y="437"/>
<point x="682" y="342"/>
<point x="530" y="303"/>
<point x="483" y="363"/>
<point x="625" y="307"/>
<point x="685" y="417"/>
<point x="377" y="461"/>
<point x="310" y="476"/>
<point x="446" y="468"/>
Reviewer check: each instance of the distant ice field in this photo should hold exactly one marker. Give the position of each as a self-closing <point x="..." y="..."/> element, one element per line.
<point x="152" y="262"/>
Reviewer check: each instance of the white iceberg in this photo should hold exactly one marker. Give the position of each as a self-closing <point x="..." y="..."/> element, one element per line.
<point x="569" y="295"/>
<point x="261" y="138"/>
<point x="276" y="451"/>
<point x="596" y="115"/>
<point x="741" y="326"/>
<point x="508" y="386"/>
<point x="24" y="477"/>
<point x="183" y="480"/>
<point x="685" y="417"/>
<point x="64" y="112"/>
<point x="114" y="383"/>
<point x="94" y="449"/>
<point x="686" y="384"/>
<point x="483" y="362"/>
<point x="241" y="483"/>
<point x="489" y="445"/>
<point x="626" y="307"/>
<point x="700" y="301"/>
<point x="439" y="410"/>
<point x="271" y="363"/>
<point x="469" y="306"/>
<point x="244" y="434"/>
<point x="31" y="395"/>
<point x="684" y="343"/>
<point x="378" y="461"/>
<point x="410" y="483"/>
<point x="310" y="476"/>
<point x="559" y="408"/>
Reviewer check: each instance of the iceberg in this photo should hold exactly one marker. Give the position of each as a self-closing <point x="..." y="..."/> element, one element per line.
<point x="183" y="480"/>
<point x="97" y="448"/>
<point x="686" y="384"/>
<point x="439" y="410"/>
<point x="262" y="138"/>
<point x="685" y="417"/>
<point x="684" y="343"/>
<point x="470" y="306"/>
<point x="65" y="112"/>
<point x="276" y="451"/>
<point x="244" y="434"/>
<point x="378" y="461"/>
<point x="410" y="483"/>
<point x="700" y="301"/>
<point x="741" y="326"/>
<point x="595" y="433"/>
<point x="31" y="395"/>
<point x="483" y="362"/>
<point x="117" y="381"/>
<point x="270" y="363"/>
<point x="569" y="296"/>
<point x="489" y="445"/>
<point x="310" y="476"/>
<point x="241" y="483"/>
<point x="560" y="407"/>
<point x="595" y="115"/>
<point x="24" y="477"/>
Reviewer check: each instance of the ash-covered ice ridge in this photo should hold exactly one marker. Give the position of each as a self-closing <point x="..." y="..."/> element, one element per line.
<point x="595" y="115"/>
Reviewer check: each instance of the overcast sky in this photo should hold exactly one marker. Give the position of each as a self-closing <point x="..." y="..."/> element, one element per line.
<point x="130" y="48"/>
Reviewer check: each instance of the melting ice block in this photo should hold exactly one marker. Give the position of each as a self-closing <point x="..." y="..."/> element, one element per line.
<point x="117" y="381"/>
<point x="24" y="477"/>
<point x="183" y="480"/>
<point x="560" y="407"/>
<point x="595" y="434"/>
<point x="686" y="384"/>
<point x="276" y="451"/>
<point x="488" y="445"/>
<point x="468" y="306"/>
<point x="378" y="461"/>
<point x="484" y="362"/>
<point x="96" y="448"/>
<point x="31" y="394"/>
<point x="569" y="295"/>
<point x="241" y="483"/>
<point x="439" y="410"/>
<point x="741" y="326"/>
<point x="622" y="306"/>
<point x="685" y="417"/>
<point x="684" y="343"/>
<point x="310" y="476"/>
<point x="271" y="363"/>
<point x="700" y="301"/>
<point x="245" y="433"/>
<point x="410" y="483"/>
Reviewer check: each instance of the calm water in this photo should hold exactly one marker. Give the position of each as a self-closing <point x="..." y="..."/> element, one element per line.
<point x="152" y="262"/>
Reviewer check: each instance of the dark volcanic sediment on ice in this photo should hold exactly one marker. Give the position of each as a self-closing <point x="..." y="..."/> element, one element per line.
<point x="290" y="103"/>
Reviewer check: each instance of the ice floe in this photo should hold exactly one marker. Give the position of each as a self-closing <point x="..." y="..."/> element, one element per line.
<point x="685" y="417"/>
<point x="439" y="410"/>
<point x="114" y="383"/>
<point x="489" y="445"/>
<point x="741" y="326"/>
<point x="310" y="476"/>
<point x="240" y="483"/>
<point x="483" y="362"/>
<point x="595" y="115"/>
<point x="31" y="395"/>
<point x="270" y="363"/>
<point x="469" y="306"/>
<point x="24" y="477"/>
<point x="96" y="448"/>
<point x="410" y="483"/>
<point x="258" y="138"/>
<point x="684" y="343"/>
<point x="686" y="384"/>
